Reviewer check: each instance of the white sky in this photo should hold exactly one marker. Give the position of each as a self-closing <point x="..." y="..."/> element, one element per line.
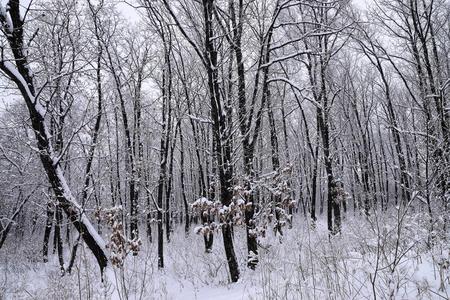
<point x="132" y="16"/>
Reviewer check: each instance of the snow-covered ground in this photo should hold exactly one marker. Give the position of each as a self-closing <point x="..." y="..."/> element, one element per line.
<point x="370" y="257"/>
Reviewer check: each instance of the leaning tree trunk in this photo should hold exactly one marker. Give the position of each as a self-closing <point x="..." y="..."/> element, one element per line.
<point x="19" y="72"/>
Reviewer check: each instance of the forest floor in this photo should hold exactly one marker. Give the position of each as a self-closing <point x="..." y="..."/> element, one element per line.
<point x="387" y="256"/>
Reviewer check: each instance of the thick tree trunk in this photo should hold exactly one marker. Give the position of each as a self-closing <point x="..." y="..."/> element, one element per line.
<point x="20" y="74"/>
<point x="221" y="136"/>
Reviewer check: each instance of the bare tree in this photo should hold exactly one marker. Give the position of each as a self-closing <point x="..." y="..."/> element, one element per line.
<point x="20" y="73"/>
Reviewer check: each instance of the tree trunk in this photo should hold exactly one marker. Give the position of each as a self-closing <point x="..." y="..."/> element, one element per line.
<point x="20" y="74"/>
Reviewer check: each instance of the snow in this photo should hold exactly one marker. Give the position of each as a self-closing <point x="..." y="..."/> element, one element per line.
<point x="11" y="68"/>
<point x="240" y="202"/>
<point x="7" y="18"/>
<point x="84" y="219"/>
<point x="37" y="105"/>
<point x="282" y="58"/>
<point x="201" y="202"/>
<point x="200" y="120"/>
<point x="295" y="86"/>
<point x="66" y="190"/>
<point x="304" y="264"/>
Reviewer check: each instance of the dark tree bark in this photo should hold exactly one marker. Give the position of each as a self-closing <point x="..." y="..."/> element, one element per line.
<point x="275" y="163"/>
<point x="246" y="118"/>
<point x="20" y="74"/>
<point x="182" y="182"/>
<point x="48" y="228"/>
<point x="58" y="240"/>
<point x="221" y="134"/>
<point x="161" y="184"/>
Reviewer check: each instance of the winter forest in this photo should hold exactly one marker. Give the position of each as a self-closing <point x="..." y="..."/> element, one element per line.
<point x="225" y="149"/>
